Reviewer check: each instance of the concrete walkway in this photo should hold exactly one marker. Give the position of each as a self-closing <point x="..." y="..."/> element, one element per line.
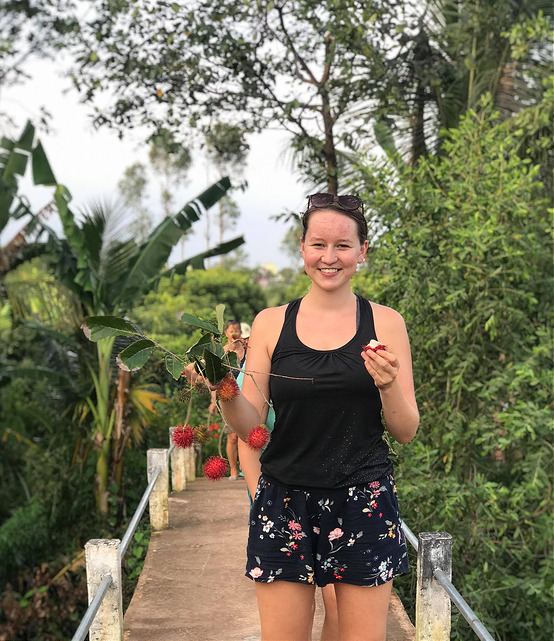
<point x="193" y="587"/>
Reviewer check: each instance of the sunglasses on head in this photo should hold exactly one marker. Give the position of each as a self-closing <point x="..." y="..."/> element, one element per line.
<point x="348" y="203"/>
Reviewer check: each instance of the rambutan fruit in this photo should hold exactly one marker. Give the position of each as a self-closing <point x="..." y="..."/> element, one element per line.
<point x="258" y="437"/>
<point x="183" y="436"/>
<point x="184" y="394"/>
<point x="374" y="346"/>
<point x="215" y="468"/>
<point x="228" y="389"/>
<point x="201" y="434"/>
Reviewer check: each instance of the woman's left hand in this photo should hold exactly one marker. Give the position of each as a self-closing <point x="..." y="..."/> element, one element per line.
<point x="383" y="367"/>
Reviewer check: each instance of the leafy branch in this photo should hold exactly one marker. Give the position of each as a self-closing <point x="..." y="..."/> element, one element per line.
<point x="212" y="362"/>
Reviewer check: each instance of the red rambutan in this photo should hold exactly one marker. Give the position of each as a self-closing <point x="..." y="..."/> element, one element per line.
<point x="183" y="436"/>
<point x="215" y="468"/>
<point x="228" y="389"/>
<point x="374" y="346"/>
<point x="258" y="437"/>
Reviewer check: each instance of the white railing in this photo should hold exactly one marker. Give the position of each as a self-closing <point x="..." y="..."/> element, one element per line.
<point x="435" y="591"/>
<point x="103" y="620"/>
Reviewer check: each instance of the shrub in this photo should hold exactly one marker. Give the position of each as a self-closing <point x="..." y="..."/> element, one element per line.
<point x="465" y="254"/>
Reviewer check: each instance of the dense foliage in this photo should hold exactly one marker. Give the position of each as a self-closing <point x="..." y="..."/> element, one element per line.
<point x="465" y="253"/>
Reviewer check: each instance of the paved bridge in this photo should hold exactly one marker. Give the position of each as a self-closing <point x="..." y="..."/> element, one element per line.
<point x="193" y="588"/>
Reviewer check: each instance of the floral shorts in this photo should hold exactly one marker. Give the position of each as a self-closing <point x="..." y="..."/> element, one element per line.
<point x="351" y="535"/>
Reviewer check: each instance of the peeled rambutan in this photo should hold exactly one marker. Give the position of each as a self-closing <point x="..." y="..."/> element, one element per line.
<point x="183" y="436"/>
<point x="201" y="434"/>
<point x="374" y="346"/>
<point x="258" y="437"/>
<point x="215" y="468"/>
<point x="228" y="389"/>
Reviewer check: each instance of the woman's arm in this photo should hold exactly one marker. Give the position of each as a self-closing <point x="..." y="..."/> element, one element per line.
<point x="250" y="466"/>
<point x="392" y="372"/>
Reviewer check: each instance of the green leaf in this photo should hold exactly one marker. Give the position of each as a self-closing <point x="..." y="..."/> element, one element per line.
<point x="98" y="327"/>
<point x="26" y="139"/>
<point x="135" y="355"/>
<point x="42" y="172"/>
<point x="154" y="253"/>
<point x="16" y="165"/>
<point x="197" y="261"/>
<point x="216" y="348"/>
<point x="197" y="322"/>
<point x="214" y="368"/>
<point x="219" y="311"/>
<point x="233" y="359"/>
<point x="174" y="366"/>
<point x="197" y="349"/>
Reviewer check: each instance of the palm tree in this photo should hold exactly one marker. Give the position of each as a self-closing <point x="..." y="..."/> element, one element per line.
<point x="453" y="53"/>
<point x="107" y="272"/>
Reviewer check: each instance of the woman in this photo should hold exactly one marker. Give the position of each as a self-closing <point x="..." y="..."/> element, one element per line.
<point x="325" y="510"/>
<point x="232" y="332"/>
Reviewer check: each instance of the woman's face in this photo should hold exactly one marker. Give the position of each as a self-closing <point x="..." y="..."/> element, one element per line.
<point x="232" y="332"/>
<point x="331" y="249"/>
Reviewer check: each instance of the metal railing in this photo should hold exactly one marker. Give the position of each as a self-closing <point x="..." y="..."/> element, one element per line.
<point x="432" y="548"/>
<point x="92" y="609"/>
<point x="130" y="532"/>
<point x="158" y="464"/>
<point x="435" y="591"/>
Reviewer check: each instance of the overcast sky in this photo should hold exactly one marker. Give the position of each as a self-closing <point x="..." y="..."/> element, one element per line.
<point x="91" y="162"/>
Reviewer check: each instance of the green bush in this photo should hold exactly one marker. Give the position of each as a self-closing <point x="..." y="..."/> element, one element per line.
<point x="24" y="537"/>
<point x="465" y="254"/>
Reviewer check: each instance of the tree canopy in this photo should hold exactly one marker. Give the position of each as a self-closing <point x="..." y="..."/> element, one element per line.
<point x="306" y="65"/>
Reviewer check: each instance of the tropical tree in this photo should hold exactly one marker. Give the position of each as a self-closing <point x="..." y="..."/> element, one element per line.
<point x="111" y="274"/>
<point x="308" y="66"/>
<point x="29" y="29"/>
<point x="132" y="186"/>
<point x="448" y="55"/>
<point x="228" y="150"/>
<point x="171" y="161"/>
<point x="107" y="271"/>
<point x="15" y="156"/>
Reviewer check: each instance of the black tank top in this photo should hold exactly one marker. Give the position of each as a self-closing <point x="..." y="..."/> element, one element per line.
<point x="328" y="431"/>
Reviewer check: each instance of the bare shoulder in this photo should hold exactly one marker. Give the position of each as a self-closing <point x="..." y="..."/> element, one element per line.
<point x="386" y="317"/>
<point x="271" y="316"/>
<point x="266" y="327"/>
<point x="390" y="327"/>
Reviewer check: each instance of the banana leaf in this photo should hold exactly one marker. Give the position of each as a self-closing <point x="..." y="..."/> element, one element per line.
<point x="197" y="261"/>
<point x="154" y="253"/>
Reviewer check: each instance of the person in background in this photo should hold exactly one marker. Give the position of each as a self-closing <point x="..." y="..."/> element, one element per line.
<point x="235" y="344"/>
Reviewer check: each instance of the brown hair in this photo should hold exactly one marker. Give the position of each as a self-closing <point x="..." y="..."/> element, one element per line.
<point x="355" y="214"/>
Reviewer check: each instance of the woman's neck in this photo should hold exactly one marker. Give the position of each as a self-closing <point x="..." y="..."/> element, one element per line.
<point x="337" y="299"/>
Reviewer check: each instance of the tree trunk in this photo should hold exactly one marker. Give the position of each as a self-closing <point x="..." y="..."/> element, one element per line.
<point x="104" y="417"/>
<point x="419" y="147"/>
<point x="120" y="433"/>
<point x="329" y="152"/>
<point x="101" y="477"/>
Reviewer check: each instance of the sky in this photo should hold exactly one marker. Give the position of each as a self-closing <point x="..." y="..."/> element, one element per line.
<point x="91" y="162"/>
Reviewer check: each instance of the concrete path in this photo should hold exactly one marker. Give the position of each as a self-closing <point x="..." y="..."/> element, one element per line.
<point x="193" y="586"/>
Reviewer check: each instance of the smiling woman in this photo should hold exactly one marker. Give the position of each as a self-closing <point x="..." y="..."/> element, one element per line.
<point x="325" y="510"/>
<point x="331" y="248"/>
